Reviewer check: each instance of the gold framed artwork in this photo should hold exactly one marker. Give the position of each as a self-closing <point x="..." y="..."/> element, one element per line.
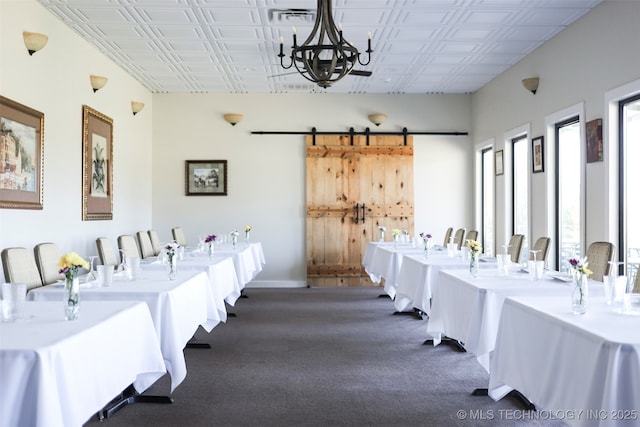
<point x="97" y="165"/>
<point x="594" y="140"/>
<point x="21" y="156"/>
<point x="205" y="178"/>
<point x="537" y="157"/>
<point x="499" y="163"/>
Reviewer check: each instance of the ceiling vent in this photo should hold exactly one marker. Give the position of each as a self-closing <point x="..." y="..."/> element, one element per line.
<point x="292" y="16"/>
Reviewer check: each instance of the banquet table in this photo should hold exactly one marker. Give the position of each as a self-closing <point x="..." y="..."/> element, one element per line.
<point x="587" y="365"/>
<point x="221" y="273"/>
<point x="60" y="373"/>
<point x="177" y="308"/>
<point x="248" y="259"/>
<point x="383" y="261"/>
<point x="467" y="308"/>
<point x="418" y="277"/>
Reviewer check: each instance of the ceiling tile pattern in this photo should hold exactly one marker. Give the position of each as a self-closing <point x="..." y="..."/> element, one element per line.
<point x="420" y="46"/>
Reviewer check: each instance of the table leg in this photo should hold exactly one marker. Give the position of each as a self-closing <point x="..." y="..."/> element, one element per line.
<point x="514" y="393"/>
<point x="449" y="341"/>
<point x="130" y="396"/>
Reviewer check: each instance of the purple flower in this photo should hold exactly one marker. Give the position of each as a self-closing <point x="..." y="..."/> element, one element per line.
<point x="210" y="238"/>
<point x="574" y="262"/>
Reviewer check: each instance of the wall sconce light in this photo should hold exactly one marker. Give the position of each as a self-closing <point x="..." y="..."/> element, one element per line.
<point x="233" y="119"/>
<point x="378" y="118"/>
<point x="34" y="41"/>
<point x="97" y="82"/>
<point x="136" y="107"/>
<point x="531" y="84"/>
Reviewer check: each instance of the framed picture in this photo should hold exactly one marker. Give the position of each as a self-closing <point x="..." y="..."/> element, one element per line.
<point x="499" y="163"/>
<point x="205" y="178"/>
<point x="21" y="151"/>
<point x="594" y="140"/>
<point x="537" y="157"/>
<point x="97" y="165"/>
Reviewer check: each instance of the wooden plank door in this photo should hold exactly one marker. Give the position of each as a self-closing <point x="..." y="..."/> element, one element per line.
<point x="345" y="172"/>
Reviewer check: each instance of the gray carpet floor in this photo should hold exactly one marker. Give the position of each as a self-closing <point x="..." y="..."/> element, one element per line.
<point x="324" y="357"/>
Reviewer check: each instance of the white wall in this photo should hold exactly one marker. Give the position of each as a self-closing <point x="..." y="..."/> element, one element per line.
<point x="592" y="56"/>
<point x="55" y="81"/>
<point x="266" y="181"/>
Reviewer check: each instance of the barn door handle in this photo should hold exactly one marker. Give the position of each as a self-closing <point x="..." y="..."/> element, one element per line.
<point x="357" y="219"/>
<point x="363" y="213"/>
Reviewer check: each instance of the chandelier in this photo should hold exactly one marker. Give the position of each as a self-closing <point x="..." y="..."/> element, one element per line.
<point x="325" y="56"/>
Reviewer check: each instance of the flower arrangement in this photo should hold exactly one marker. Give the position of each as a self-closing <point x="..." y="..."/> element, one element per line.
<point x="382" y="228"/>
<point x="210" y="238"/>
<point x="247" y="228"/>
<point x="395" y="231"/>
<point x="70" y="263"/>
<point x="474" y="247"/>
<point x="425" y="237"/>
<point x="580" y="265"/>
<point x="234" y="233"/>
<point x="171" y="249"/>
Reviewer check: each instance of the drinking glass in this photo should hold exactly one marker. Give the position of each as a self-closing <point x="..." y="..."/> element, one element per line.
<point x="105" y="275"/>
<point x="92" y="273"/>
<point x="133" y="265"/>
<point x="13" y="298"/>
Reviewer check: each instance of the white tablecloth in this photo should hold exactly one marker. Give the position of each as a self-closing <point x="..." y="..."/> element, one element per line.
<point x="468" y="309"/>
<point x="248" y="259"/>
<point x="59" y="373"/>
<point x="418" y="277"/>
<point x="385" y="262"/>
<point x="177" y="308"/>
<point x="221" y="273"/>
<point x="564" y="362"/>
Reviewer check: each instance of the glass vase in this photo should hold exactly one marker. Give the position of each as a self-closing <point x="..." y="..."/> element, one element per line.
<point x="234" y="241"/>
<point x="473" y="264"/>
<point x="71" y="297"/>
<point x="381" y="239"/>
<point x="396" y="237"/>
<point x="426" y="249"/>
<point x="173" y="267"/>
<point x="210" y="249"/>
<point x="580" y="295"/>
<point x="246" y="235"/>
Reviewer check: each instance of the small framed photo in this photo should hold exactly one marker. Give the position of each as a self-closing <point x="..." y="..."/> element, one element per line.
<point x="205" y="178"/>
<point x="21" y="151"/>
<point x="97" y="165"/>
<point x="594" y="140"/>
<point x="499" y="163"/>
<point x="537" y="154"/>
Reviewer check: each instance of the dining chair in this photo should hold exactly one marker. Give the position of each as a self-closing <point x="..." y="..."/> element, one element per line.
<point x="458" y="238"/>
<point x="105" y="251"/>
<point x="178" y="236"/>
<point x="598" y="256"/>
<point x="447" y="236"/>
<point x="19" y="266"/>
<point x="47" y="258"/>
<point x="155" y="242"/>
<point x="144" y="242"/>
<point x="515" y="247"/>
<point x="636" y="285"/>
<point x="541" y="245"/>
<point x="127" y="243"/>
<point x="472" y="235"/>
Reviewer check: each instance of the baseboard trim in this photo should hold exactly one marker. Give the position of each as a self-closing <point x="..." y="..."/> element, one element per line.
<point x="277" y="284"/>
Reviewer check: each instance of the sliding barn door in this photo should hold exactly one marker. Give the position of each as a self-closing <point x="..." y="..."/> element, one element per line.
<point x="354" y="185"/>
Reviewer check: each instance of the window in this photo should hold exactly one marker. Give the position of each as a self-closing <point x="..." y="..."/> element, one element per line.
<point x="568" y="192"/>
<point x="488" y="221"/>
<point x="520" y="187"/>
<point x="629" y="173"/>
